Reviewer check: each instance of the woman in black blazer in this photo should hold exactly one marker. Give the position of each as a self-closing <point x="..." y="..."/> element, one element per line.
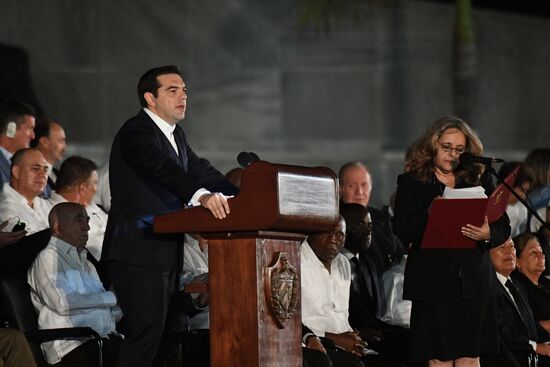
<point x="452" y="321"/>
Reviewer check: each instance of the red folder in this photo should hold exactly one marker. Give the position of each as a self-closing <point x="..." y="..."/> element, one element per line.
<point x="448" y="216"/>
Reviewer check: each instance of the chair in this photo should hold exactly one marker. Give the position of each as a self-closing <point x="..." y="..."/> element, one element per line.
<point x="20" y="314"/>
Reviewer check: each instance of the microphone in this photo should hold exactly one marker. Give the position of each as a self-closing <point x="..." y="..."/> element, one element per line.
<point x="467" y="159"/>
<point x="245" y="159"/>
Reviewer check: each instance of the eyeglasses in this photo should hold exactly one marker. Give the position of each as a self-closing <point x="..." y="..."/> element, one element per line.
<point x="448" y="148"/>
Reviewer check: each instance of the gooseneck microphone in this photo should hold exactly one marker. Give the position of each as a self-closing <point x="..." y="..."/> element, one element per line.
<point x="245" y="159"/>
<point x="467" y="159"/>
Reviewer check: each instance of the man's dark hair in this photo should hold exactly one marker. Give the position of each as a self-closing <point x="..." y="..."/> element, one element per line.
<point x="17" y="157"/>
<point x="41" y="129"/>
<point x="149" y="82"/>
<point x="12" y="110"/>
<point x="61" y="212"/>
<point x="74" y="171"/>
<point x="522" y="176"/>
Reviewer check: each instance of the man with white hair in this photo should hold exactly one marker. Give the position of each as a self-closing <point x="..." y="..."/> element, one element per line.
<point x="355" y="188"/>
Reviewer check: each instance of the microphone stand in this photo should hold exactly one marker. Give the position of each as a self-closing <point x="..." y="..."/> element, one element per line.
<point x="530" y="209"/>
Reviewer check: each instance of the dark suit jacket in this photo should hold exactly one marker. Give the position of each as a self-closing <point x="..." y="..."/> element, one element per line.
<point x="148" y="178"/>
<point x="514" y="332"/>
<point x="445" y="275"/>
<point x="362" y="305"/>
<point x="385" y="249"/>
<point x="5" y="172"/>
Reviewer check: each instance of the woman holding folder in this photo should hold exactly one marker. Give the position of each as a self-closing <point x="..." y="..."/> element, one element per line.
<point x="452" y="320"/>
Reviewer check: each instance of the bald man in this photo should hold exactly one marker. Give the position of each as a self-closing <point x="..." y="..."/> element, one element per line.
<point x="66" y="291"/>
<point x="20" y="201"/>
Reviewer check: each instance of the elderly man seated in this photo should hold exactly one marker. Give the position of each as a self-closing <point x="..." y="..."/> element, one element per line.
<point x="66" y="291"/>
<point x="523" y="341"/>
<point x="326" y="279"/>
<point x="77" y="182"/>
<point x="20" y="199"/>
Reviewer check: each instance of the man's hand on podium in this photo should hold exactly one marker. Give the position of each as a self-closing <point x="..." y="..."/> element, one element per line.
<point x="217" y="204"/>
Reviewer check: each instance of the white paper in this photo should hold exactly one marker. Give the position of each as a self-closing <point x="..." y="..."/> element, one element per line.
<point x="476" y="192"/>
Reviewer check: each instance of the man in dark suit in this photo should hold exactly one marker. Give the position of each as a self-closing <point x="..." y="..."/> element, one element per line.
<point x="390" y="341"/>
<point x="153" y="171"/>
<point x="522" y="340"/>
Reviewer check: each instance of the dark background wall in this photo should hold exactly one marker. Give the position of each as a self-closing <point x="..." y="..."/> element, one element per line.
<point x="259" y="82"/>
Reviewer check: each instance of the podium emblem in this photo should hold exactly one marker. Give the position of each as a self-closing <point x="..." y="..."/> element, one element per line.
<point x="281" y="289"/>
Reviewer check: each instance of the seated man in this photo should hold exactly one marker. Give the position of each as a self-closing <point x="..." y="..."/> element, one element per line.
<point x="355" y="188"/>
<point x="49" y="138"/>
<point x="16" y="132"/>
<point x="66" y="291"/>
<point x="365" y="295"/>
<point x="522" y="339"/>
<point x="326" y="279"/>
<point x="77" y="183"/>
<point x="20" y="199"/>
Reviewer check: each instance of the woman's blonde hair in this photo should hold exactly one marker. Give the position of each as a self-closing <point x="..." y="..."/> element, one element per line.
<point x="425" y="149"/>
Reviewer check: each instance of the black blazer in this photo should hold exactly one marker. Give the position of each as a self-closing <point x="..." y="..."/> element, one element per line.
<point x="148" y="178"/>
<point x="434" y="274"/>
<point x="385" y="249"/>
<point x="362" y="306"/>
<point x="513" y="331"/>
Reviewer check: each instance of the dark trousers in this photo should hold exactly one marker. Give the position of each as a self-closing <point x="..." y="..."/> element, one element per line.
<point x="314" y="358"/>
<point x="85" y="355"/>
<point x="144" y="295"/>
<point x="196" y="348"/>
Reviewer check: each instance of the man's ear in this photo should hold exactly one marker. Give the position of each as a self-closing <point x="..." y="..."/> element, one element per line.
<point x="82" y="186"/>
<point x="15" y="171"/>
<point x="150" y="99"/>
<point x="44" y="141"/>
<point x="56" y="228"/>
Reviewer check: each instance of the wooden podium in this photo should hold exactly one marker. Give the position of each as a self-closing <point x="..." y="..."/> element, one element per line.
<point x="254" y="260"/>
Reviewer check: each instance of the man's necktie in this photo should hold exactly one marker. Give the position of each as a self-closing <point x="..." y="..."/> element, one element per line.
<point x="523" y="309"/>
<point x="358" y="274"/>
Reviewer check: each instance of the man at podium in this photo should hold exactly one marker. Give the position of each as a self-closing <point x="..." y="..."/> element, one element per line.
<point x="153" y="171"/>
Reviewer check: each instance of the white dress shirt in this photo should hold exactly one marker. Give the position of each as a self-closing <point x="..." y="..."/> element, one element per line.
<point x="166" y="128"/>
<point x="51" y="174"/>
<point x="66" y="292"/>
<point x="13" y="204"/>
<point x="168" y="131"/>
<point x="518" y="218"/>
<point x="195" y="262"/>
<point x="103" y="195"/>
<point x="98" y="224"/>
<point x="325" y="296"/>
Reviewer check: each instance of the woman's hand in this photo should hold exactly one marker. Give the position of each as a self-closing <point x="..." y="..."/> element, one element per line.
<point x="482" y="233"/>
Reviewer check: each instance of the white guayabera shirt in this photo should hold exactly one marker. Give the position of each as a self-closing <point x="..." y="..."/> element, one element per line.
<point x="66" y="292"/>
